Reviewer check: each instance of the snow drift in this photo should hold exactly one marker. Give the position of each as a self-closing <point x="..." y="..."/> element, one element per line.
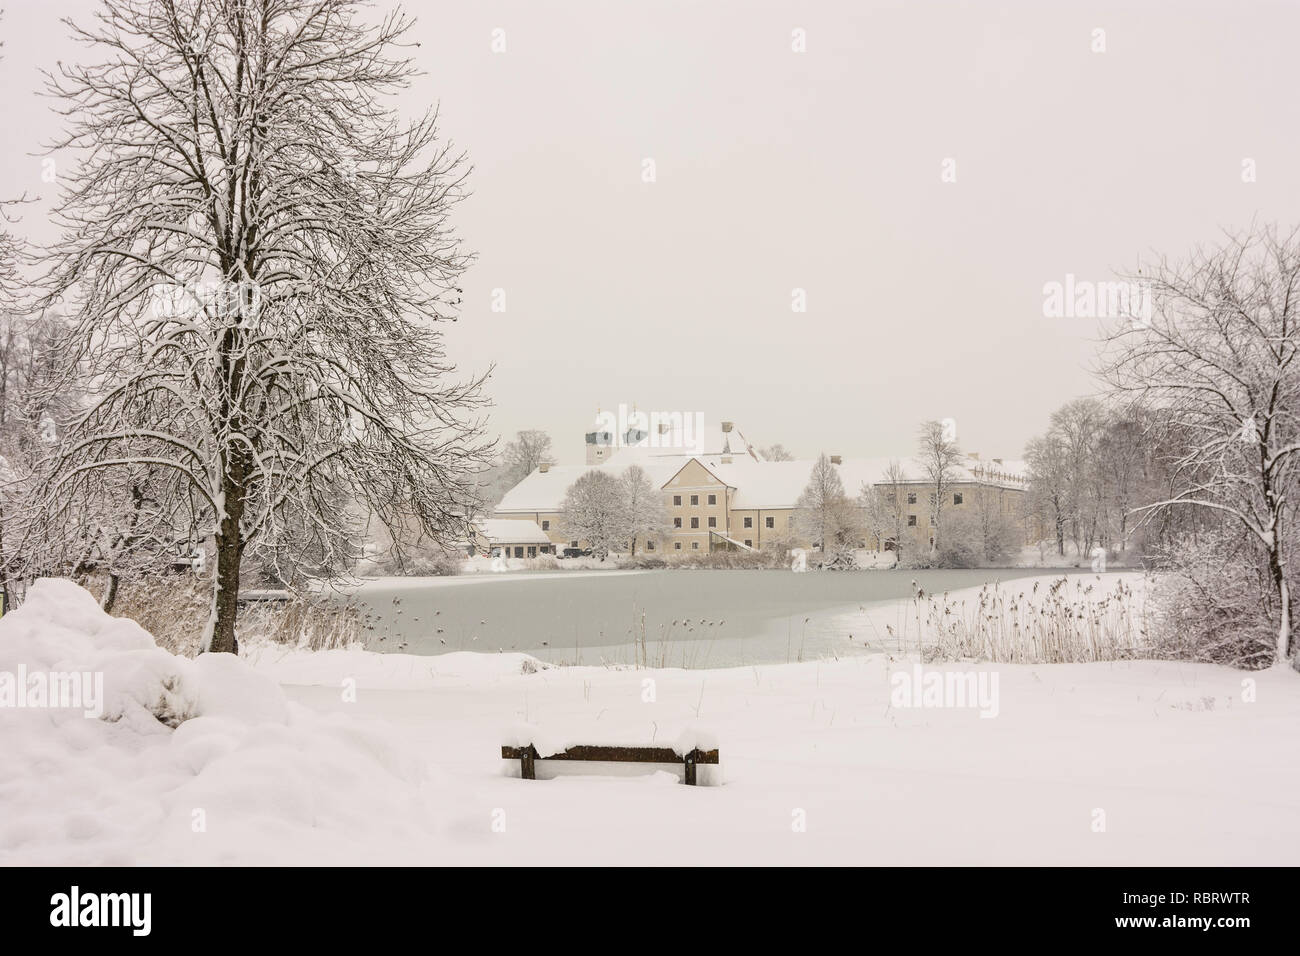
<point x="191" y="761"/>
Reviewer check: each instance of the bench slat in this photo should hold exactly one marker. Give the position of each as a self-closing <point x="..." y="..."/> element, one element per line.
<point x="614" y="754"/>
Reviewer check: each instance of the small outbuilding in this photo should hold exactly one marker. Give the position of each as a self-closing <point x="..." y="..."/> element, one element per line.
<point x="509" y="538"/>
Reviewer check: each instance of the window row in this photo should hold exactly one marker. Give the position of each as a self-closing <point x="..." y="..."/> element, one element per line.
<point x="911" y="498"/>
<point x="695" y="500"/>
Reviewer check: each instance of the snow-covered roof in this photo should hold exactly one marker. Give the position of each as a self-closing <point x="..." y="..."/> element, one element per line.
<point x="758" y="484"/>
<point x="511" y="531"/>
<point x="545" y="490"/>
<point x="778" y="484"/>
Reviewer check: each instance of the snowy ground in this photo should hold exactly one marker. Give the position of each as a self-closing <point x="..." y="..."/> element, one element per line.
<point x="279" y="764"/>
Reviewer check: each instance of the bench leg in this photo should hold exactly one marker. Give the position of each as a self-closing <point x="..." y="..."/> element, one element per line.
<point x="526" y="766"/>
<point x="690" y="769"/>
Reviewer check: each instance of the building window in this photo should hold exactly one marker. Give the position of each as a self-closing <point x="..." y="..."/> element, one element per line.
<point x="695" y="499"/>
<point x="713" y="499"/>
<point x="573" y="544"/>
<point x="519" y="551"/>
<point x="695" y="546"/>
<point x="789" y="522"/>
<point x="695" y="522"/>
<point x="769" y="522"/>
<point x="649" y="545"/>
<point x="677" y="500"/>
<point x="713" y="522"/>
<point x="546" y="525"/>
<point x="931" y="521"/>
<point x="749" y="522"/>
<point x="677" y="546"/>
<point x="911" y="497"/>
<point x="911" y="521"/>
<point x="956" y="498"/>
<point x="532" y="550"/>
<point x="749" y="542"/>
<point x="677" y="522"/>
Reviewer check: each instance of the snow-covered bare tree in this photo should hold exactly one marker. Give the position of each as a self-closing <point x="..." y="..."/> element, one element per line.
<point x="825" y="514"/>
<point x="647" y="516"/>
<point x="877" y="515"/>
<point x="938" y="457"/>
<point x="1078" y="427"/>
<point x="1122" y="463"/>
<point x="1048" y="479"/>
<point x="256" y="254"/>
<point x="995" y="529"/>
<point x="1218" y="358"/>
<point x="521" y="456"/>
<point x="595" y="511"/>
<point x="13" y="339"/>
<point x="894" y="488"/>
<point x="775" y="452"/>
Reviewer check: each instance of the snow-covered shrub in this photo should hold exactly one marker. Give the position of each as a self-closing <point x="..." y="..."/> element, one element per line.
<point x="1213" y="603"/>
<point x="841" y="558"/>
<point x="434" y="563"/>
<point x="973" y="537"/>
<point x="767" y="558"/>
<point x="411" y="562"/>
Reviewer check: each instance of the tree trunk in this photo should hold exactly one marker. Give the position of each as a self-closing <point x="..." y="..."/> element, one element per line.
<point x="225" y="596"/>
<point x="110" y="593"/>
<point x="1283" y="593"/>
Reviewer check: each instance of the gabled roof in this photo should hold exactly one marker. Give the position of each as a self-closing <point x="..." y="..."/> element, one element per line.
<point x="759" y="484"/>
<point x="545" y="490"/>
<point x="778" y="484"/>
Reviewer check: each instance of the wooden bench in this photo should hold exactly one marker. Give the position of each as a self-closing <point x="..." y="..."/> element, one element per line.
<point x="527" y="757"/>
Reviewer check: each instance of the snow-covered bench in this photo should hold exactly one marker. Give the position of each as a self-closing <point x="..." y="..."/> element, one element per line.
<point x="528" y="755"/>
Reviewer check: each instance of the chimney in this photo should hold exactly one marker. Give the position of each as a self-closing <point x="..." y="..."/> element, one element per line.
<point x="544" y="467"/>
<point x="727" y="426"/>
<point x="663" y="428"/>
<point x="836" y="460"/>
<point x="726" y="460"/>
<point x="973" y="454"/>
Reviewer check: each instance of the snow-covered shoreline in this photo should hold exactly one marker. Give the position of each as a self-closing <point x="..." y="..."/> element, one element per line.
<point x="354" y="757"/>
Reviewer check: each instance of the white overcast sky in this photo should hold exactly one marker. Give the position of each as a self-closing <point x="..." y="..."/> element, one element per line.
<point x="821" y="171"/>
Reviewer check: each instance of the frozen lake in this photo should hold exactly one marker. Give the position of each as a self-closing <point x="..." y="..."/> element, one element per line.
<point x="693" y="618"/>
